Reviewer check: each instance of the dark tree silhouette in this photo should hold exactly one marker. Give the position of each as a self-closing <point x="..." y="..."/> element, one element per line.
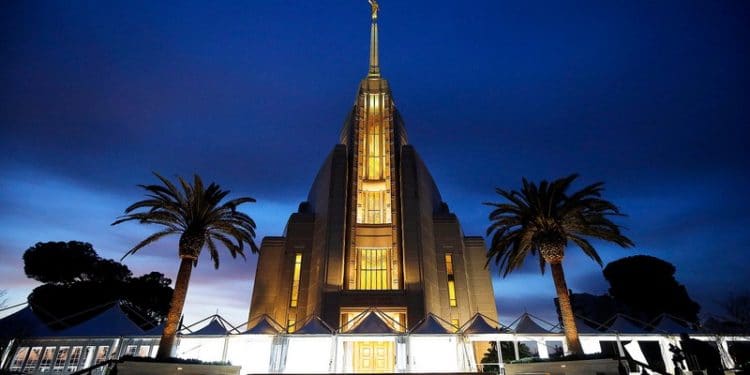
<point x="60" y="262"/>
<point x="150" y="294"/>
<point x="89" y="285"/>
<point x="544" y="219"/>
<point x="199" y="217"/>
<point x="646" y="286"/>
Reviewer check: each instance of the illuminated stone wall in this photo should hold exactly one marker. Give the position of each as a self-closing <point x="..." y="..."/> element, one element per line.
<point x="373" y="232"/>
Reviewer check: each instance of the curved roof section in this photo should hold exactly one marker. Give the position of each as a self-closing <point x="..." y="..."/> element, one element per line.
<point x="264" y="325"/>
<point x="527" y="325"/>
<point x="622" y="324"/>
<point x="24" y="323"/>
<point x="371" y="323"/>
<point x="670" y="324"/>
<point x="215" y="327"/>
<point x="314" y="326"/>
<point x="109" y="323"/>
<point x="584" y="328"/>
<point x="479" y="324"/>
<point x="432" y="325"/>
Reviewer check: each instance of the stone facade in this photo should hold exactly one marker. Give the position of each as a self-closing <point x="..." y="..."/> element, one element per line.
<point x="373" y="204"/>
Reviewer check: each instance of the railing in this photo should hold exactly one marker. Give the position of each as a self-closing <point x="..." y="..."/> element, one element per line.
<point x="98" y="367"/>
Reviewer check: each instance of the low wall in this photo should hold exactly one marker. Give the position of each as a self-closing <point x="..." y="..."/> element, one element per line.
<point x="154" y="368"/>
<point x="585" y="367"/>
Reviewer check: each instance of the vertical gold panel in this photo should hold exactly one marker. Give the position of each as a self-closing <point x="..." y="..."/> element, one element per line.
<point x="372" y="269"/>
<point x="295" y="280"/>
<point x="451" y="280"/>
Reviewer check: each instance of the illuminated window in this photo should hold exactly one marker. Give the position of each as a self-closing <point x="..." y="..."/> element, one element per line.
<point x="451" y="279"/>
<point x="295" y="279"/>
<point x="101" y="354"/>
<point x="290" y="325"/>
<point x="60" y="358"/>
<point x="375" y="143"/>
<point x="46" y="361"/>
<point x="33" y="360"/>
<point x="131" y="350"/>
<point x="455" y="322"/>
<point x="143" y="351"/>
<point x="87" y="356"/>
<point x="75" y="357"/>
<point x="18" y="359"/>
<point x="373" y="269"/>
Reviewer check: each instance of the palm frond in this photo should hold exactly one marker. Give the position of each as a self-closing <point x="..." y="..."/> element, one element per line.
<point x="149" y="240"/>
<point x="197" y="211"/>
<point x="547" y="211"/>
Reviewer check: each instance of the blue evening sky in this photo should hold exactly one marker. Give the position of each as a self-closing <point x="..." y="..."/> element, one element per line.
<point x="650" y="97"/>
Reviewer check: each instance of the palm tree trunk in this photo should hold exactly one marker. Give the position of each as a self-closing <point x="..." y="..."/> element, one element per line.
<point x="175" y="309"/>
<point x="566" y="310"/>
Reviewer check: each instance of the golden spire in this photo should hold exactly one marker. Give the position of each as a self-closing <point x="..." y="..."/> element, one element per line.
<point x="374" y="65"/>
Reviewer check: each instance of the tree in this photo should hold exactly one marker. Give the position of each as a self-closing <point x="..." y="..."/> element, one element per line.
<point x="543" y="219"/>
<point x="647" y="288"/>
<point x="197" y="215"/>
<point x="79" y="284"/>
<point x="60" y="262"/>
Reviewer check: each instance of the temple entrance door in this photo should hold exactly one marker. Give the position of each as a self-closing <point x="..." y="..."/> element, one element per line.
<point x="374" y="357"/>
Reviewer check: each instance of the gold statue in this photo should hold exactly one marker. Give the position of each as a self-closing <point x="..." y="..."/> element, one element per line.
<point x="375" y="7"/>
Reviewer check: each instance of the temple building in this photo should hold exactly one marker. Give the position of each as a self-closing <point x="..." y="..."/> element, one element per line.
<point x="374" y="232"/>
<point x="372" y="275"/>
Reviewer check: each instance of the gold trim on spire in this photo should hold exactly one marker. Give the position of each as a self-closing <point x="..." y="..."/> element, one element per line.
<point x="374" y="64"/>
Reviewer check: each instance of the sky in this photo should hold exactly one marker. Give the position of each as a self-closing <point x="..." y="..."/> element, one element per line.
<point x="650" y="97"/>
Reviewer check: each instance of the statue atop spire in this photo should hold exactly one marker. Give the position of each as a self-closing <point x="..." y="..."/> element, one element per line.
<point x="375" y="8"/>
<point x="374" y="71"/>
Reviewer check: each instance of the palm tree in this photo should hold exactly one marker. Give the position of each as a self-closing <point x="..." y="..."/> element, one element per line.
<point x="197" y="215"/>
<point x="544" y="219"/>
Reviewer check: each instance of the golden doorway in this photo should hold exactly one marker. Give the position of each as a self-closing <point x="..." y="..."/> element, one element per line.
<point x="374" y="357"/>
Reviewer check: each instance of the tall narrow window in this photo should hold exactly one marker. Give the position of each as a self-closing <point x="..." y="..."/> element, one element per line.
<point x="75" y="357"/>
<point x="295" y="279"/>
<point x="47" y="357"/>
<point x="87" y="356"/>
<point x="373" y="269"/>
<point x="101" y="354"/>
<point x="60" y="358"/>
<point x="33" y="360"/>
<point x="451" y="279"/>
<point x="19" y="359"/>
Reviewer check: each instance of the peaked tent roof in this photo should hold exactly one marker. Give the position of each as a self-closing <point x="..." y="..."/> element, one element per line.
<point x="527" y="325"/>
<point x="430" y="325"/>
<point x="213" y="328"/>
<point x="479" y="324"/>
<point x="372" y="323"/>
<point x="24" y="323"/>
<point x="669" y="324"/>
<point x="622" y="324"/>
<point x="264" y="326"/>
<point x="584" y="327"/>
<point x="157" y="330"/>
<point x="314" y="326"/>
<point x="111" y="322"/>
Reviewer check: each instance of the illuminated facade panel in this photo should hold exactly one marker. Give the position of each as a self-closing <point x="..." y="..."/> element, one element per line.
<point x="373" y="272"/>
<point x="451" y="280"/>
<point x="295" y="280"/>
